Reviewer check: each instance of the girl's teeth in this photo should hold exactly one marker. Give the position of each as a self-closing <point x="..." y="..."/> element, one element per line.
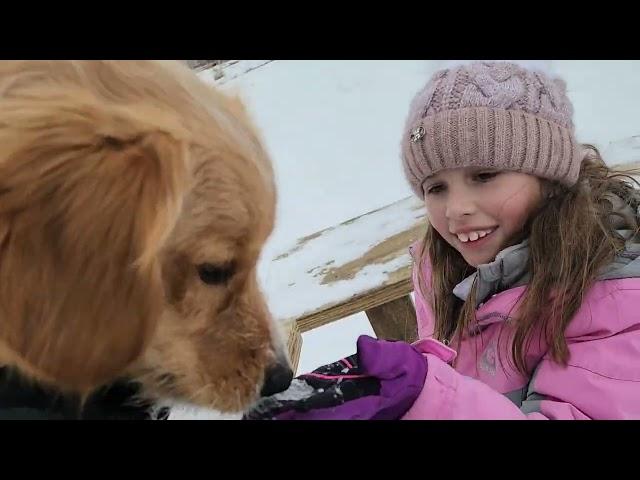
<point x="473" y="236"/>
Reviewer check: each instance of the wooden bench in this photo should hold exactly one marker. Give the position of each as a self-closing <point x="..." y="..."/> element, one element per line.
<point x="362" y="264"/>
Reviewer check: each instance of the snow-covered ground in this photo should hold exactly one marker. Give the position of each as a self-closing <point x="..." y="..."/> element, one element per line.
<point x="333" y="130"/>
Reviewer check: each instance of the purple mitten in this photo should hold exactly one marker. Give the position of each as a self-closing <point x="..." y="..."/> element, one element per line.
<point x="380" y="382"/>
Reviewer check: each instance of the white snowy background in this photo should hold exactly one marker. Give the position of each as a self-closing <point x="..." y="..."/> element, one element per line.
<point x="333" y="130"/>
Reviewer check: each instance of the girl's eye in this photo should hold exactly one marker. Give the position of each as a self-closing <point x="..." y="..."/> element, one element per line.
<point x="434" y="189"/>
<point x="486" y="176"/>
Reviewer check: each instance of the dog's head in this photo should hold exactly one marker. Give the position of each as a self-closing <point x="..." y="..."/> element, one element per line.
<point x="134" y="204"/>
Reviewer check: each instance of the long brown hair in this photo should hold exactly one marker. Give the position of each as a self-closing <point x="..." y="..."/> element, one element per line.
<point x="571" y="238"/>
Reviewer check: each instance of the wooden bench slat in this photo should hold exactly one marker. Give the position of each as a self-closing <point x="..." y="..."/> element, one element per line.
<point x="294" y="344"/>
<point x="346" y="265"/>
<point x="395" y="320"/>
<point x="358" y="303"/>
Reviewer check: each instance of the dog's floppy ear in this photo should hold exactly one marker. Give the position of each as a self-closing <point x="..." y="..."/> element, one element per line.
<point x="88" y="195"/>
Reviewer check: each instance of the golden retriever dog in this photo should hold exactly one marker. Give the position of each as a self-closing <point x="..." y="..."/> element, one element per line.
<point x="134" y="204"/>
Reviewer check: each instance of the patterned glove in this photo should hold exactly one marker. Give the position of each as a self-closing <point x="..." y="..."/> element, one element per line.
<point x="380" y="382"/>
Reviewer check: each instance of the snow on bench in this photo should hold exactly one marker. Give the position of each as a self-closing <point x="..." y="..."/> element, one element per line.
<point x="362" y="264"/>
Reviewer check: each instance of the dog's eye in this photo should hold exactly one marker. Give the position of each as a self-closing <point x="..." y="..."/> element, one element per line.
<point x="215" y="274"/>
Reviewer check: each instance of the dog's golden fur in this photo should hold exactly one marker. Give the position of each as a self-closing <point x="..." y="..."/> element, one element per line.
<point x="117" y="181"/>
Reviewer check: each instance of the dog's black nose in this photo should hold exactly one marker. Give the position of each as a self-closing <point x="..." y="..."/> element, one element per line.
<point x="277" y="379"/>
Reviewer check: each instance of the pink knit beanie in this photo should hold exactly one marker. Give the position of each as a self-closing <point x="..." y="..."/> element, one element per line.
<point x="494" y="114"/>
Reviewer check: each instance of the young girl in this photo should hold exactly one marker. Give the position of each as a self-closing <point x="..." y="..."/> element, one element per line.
<point x="527" y="283"/>
<point x="529" y="268"/>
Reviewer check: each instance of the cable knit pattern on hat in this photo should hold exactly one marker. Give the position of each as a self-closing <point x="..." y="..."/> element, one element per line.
<point x="493" y="114"/>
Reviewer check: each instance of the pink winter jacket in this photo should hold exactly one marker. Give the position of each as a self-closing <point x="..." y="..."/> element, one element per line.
<point x="601" y="381"/>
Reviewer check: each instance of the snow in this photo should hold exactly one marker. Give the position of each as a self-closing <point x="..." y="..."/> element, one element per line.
<point x="301" y="270"/>
<point x="298" y="390"/>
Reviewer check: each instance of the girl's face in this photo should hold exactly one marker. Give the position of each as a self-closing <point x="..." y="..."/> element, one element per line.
<point x="480" y="211"/>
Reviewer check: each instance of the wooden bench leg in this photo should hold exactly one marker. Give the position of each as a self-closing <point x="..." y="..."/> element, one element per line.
<point x="294" y="345"/>
<point x="395" y="320"/>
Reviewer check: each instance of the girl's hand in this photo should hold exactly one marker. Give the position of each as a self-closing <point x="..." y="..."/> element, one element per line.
<point x="380" y="382"/>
